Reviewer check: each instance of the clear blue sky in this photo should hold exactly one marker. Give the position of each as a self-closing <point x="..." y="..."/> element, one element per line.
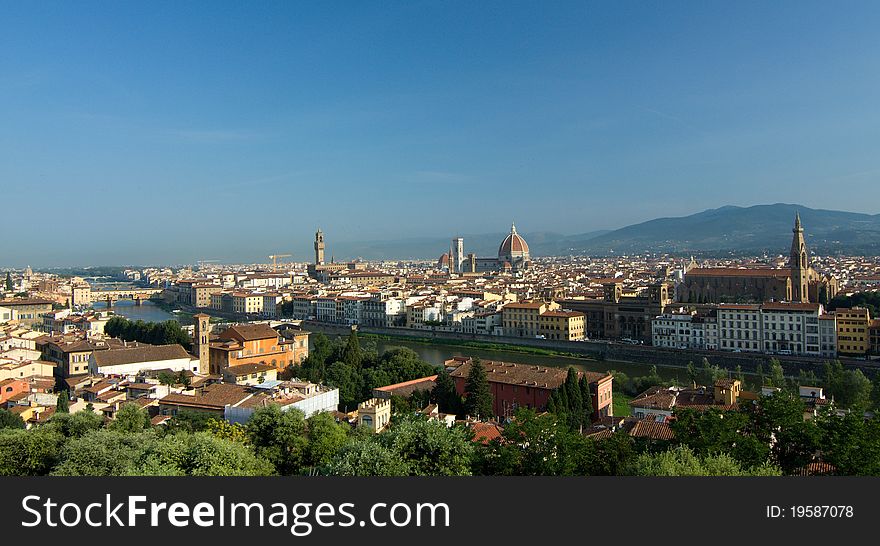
<point x="173" y="131"/>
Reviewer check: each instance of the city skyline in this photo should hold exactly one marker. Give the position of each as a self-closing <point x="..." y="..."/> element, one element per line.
<point x="253" y="126"/>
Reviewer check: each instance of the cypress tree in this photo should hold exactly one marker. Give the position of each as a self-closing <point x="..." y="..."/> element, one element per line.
<point x="446" y="395"/>
<point x="478" y="396"/>
<point x="352" y="354"/>
<point x="575" y="400"/>
<point x="9" y="285"/>
<point x="587" y="398"/>
<point x="63" y="403"/>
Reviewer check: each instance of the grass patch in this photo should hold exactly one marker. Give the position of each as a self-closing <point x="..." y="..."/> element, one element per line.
<point x="482" y="345"/>
<point x="620" y="404"/>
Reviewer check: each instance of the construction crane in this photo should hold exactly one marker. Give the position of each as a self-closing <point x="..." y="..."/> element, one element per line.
<point x="275" y="258"/>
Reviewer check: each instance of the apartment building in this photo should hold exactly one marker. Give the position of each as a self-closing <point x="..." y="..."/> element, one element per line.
<point x="561" y="325"/>
<point x="791" y="328"/>
<point x="828" y="335"/>
<point x="852" y="331"/>
<point x="739" y="328"/>
<point x="523" y="319"/>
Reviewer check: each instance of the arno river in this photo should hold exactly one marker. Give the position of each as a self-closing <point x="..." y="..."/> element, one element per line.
<point x="147" y="311"/>
<point x="437" y="354"/>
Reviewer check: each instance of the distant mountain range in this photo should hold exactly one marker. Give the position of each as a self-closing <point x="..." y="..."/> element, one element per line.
<point x="756" y="229"/>
<point x="723" y="231"/>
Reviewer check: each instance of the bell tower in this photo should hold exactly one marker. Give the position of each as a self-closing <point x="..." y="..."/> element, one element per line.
<point x="800" y="264"/>
<point x="319" y="247"/>
<point x="202" y="342"/>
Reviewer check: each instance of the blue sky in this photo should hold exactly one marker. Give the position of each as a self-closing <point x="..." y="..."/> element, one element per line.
<point x="176" y="131"/>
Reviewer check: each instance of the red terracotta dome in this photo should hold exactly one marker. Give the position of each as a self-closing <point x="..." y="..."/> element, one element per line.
<point x="513" y="246"/>
<point x="443" y="261"/>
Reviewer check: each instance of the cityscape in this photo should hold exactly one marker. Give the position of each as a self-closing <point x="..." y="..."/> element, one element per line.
<point x="430" y="239"/>
<point x="477" y="346"/>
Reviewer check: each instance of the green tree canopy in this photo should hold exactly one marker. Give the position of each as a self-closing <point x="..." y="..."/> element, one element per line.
<point x="367" y="457"/>
<point x="29" y="452"/>
<point x="279" y="437"/>
<point x="10" y="420"/>
<point x="682" y="461"/>
<point x="429" y="447"/>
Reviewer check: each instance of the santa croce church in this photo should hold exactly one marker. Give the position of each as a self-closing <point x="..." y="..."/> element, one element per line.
<point x="797" y="283"/>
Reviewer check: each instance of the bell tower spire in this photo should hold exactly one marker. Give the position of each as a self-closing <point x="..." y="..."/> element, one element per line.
<point x="800" y="263"/>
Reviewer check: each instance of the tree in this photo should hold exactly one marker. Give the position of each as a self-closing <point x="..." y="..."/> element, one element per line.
<point x="223" y="429"/>
<point x="63" y="403"/>
<point x="429" y="447"/>
<point x="9" y="285"/>
<point x="478" y="396"/>
<point x="189" y="421"/>
<point x="10" y="420"/>
<point x="29" y="452"/>
<point x="777" y="420"/>
<point x="279" y="437"/>
<point x="849" y="388"/>
<point x="352" y="354"/>
<point x="715" y="431"/>
<point x="530" y="445"/>
<point x="76" y="424"/>
<point x="692" y="372"/>
<point x="738" y="373"/>
<point x="777" y="374"/>
<point x="130" y="418"/>
<point x="759" y="371"/>
<point x="682" y="461"/>
<point x="367" y="457"/>
<point x="575" y="401"/>
<point x="326" y="437"/>
<point x="202" y="454"/>
<point x="106" y="452"/>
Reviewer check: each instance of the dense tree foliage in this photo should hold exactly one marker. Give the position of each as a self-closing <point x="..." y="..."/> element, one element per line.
<point x="683" y="461"/>
<point x="356" y="371"/>
<point x="10" y="420"/>
<point x="573" y="401"/>
<point x="154" y="333"/>
<point x="869" y="300"/>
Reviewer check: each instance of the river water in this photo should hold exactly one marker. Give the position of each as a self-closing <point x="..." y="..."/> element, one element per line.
<point x="147" y="311"/>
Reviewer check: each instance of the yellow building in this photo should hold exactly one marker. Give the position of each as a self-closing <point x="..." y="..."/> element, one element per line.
<point x="374" y="414"/>
<point x="852" y="331"/>
<point x="524" y="319"/>
<point x="564" y="325"/>
<point x="245" y="302"/>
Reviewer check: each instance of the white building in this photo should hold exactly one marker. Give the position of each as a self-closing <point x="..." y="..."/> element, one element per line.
<point x="791" y="328"/>
<point x="739" y="328"/>
<point x="828" y="335"/>
<point x="672" y="330"/>
<point x="129" y="361"/>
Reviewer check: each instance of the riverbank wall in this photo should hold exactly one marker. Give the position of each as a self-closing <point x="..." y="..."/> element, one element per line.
<point x="609" y="350"/>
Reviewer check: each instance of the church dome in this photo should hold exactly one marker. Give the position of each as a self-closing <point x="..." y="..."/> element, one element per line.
<point x="443" y="262"/>
<point x="513" y="246"/>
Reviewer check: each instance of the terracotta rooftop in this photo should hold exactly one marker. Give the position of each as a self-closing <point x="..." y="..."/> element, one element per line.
<point x="134" y="355"/>
<point x="528" y="375"/>
<point x="248" y="332"/>
<point x="738" y="272"/>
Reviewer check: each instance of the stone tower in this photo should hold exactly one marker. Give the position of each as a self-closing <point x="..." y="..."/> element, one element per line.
<point x="319" y="247"/>
<point x="800" y="264"/>
<point x="202" y="342"/>
<point x="458" y="253"/>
